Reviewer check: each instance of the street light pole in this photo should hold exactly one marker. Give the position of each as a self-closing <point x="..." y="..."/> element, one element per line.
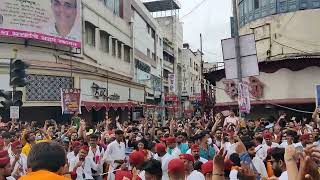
<point x="202" y="79"/>
<point x="237" y="44"/>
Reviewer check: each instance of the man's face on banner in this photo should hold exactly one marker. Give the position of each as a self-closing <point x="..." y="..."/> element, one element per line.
<point x="65" y="13"/>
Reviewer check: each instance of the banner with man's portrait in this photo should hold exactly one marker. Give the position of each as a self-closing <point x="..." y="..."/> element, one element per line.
<point x="54" y="21"/>
<point x="70" y="101"/>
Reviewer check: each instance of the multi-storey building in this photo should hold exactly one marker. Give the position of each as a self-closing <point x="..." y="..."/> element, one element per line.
<point x="287" y="42"/>
<point x="119" y="42"/>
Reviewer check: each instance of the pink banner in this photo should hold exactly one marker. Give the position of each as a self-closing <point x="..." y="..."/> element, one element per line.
<point x="38" y="36"/>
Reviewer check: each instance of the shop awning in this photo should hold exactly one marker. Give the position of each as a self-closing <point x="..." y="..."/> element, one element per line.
<point x="89" y="105"/>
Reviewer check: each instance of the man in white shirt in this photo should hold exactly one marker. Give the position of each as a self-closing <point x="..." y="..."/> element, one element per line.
<point x="115" y="154"/>
<point x="191" y="174"/>
<point x="172" y="147"/>
<point x="231" y="119"/>
<point x="257" y="162"/>
<point x="18" y="160"/>
<point x="268" y="145"/>
<point x="96" y="153"/>
<point x="73" y="154"/>
<point x="81" y="167"/>
<point x="195" y="150"/>
<point x="278" y="163"/>
<point x="164" y="157"/>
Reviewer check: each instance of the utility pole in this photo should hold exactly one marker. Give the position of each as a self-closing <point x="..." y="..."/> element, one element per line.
<point x="202" y="80"/>
<point x="237" y="43"/>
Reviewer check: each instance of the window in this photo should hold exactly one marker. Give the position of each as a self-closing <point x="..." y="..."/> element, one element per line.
<point x="160" y="41"/>
<point x="190" y="62"/>
<point x="104" y="41"/>
<point x="113" y="47"/>
<point x="148" y="52"/>
<point x="90" y="34"/>
<point x="113" y="5"/>
<point x="126" y="53"/>
<point x="119" y="49"/>
<point x="256" y="4"/>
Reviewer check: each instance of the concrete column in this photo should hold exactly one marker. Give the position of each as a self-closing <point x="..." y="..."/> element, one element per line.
<point x="110" y="45"/>
<point x="122" y="52"/>
<point x="116" y="46"/>
<point x="98" y="43"/>
<point x="131" y="55"/>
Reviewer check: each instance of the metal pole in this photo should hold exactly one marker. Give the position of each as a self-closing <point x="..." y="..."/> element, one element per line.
<point x="202" y="80"/>
<point x="237" y="43"/>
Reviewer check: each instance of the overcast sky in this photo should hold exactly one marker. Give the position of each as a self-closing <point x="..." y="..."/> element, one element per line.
<point x="212" y="19"/>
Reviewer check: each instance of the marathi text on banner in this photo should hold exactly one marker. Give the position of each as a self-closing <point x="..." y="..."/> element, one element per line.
<point x="54" y="21"/>
<point x="70" y="101"/>
<point x="244" y="98"/>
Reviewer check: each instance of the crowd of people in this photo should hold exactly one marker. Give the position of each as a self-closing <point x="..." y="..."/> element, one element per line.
<point x="208" y="147"/>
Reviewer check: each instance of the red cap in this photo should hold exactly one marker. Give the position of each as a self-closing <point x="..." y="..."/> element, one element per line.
<point x="163" y="139"/>
<point x="207" y="167"/>
<point x="195" y="147"/>
<point x="76" y="144"/>
<point x="4" y="153"/>
<point x="16" y="144"/>
<point x="160" y="147"/>
<point x="171" y="140"/>
<point x="84" y="147"/>
<point x="121" y="174"/>
<point x="136" y="158"/>
<point x="176" y="166"/>
<point x="304" y="137"/>
<point x="267" y="135"/>
<point x="4" y="161"/>
<point x="188" y="157"/>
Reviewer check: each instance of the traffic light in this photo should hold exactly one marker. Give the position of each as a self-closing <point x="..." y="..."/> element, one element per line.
<point x="9" y="100"/>
<point x="18" y="73"/>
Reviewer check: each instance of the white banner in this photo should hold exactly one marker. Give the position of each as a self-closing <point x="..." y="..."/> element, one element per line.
<point x="172" y="83"/>
<point x="244" y="98"/>
<point x="53" y="21"/>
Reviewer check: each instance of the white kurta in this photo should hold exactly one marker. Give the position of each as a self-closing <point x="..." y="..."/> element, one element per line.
<point x="97" y="158"/>
<point x="84" y="171"/>
<point x="115" y="151"/>
<point x="21" y="163"/>
<point x="164" y="164"/>
<point x="260" y="167"/>
<point x="196" y="175"/>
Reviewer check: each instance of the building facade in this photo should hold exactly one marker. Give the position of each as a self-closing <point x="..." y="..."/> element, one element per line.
<point x="105" y="62"/>
<point x="287" y="42"/>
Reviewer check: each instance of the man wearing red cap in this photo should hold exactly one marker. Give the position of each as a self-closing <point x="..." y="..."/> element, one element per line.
<point x="176" y="170"/>
<point x="18" y="160"/>
<point x="195" y="150"/>
<point x="268" y="145"/>
<point x="207" y="169"/>
<point x="136" y="160"/>
<point x="5" y="167"/>
<point x="172" y="147"/>
<point x="164" y="157"/>
<point x="191" y="174"/>
<point x="73" y="154"/>
<point x="81" y="167"/>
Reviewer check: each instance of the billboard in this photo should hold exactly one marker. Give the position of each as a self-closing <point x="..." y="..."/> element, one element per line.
<point x="70" y="101"/>
<point x="54" y="21"/>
